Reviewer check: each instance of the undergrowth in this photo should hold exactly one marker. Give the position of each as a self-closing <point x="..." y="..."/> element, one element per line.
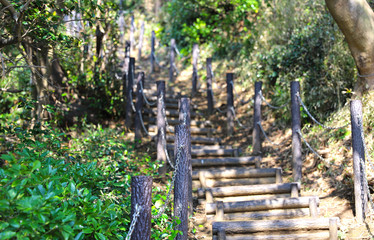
<point x="55" y="187"/>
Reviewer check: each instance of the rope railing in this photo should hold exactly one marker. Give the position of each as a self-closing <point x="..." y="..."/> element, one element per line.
<point x="315" y="120"/>
<point x="175" y="68"/>
<point x="365" y="148"/>
<point x="134" y="221"/>
<point x="269" y="105"/>
<point x="266" y="136"/>
<point x="314" y="151"/>
<point x="163" y="207"/>
<point x="157" y="61"/>
<point x="131" y="101"/>
<point x="362" y="163"/>
<point x="163" y="136"/>
<point x="237" y="119"/>
<point x="363" y="166"/>
<point x="142" y="122"/>
<point x="145" y="98"/>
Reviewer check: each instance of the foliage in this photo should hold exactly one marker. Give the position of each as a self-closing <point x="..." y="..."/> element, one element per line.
<point x="299" y="41"/>
<point x="226" y="23"/>
<point x="55" y="187"/>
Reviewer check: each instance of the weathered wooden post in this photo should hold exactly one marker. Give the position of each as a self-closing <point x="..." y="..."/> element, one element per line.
<point x="132" y="32"/>
<point x="153" y="54"/>
<point x="129" y="91"/>
<point x="256" y="135"/>
<point x="181" y="156"/>
<point x="161" y="126"/>
<point x="139" y="107"/>
<point x="140" y="45"/>
<point x="141" y="196"/>
<point x="358" y="149"/>
<point x="195" y="76"/>
<point x="185" y="118"/>
<point x="230" y="103"/>
<point x="209" y="78"/>
<point x="297" y="161"/>
<point x="126" y="67"/>
<point x="172" y="59"/>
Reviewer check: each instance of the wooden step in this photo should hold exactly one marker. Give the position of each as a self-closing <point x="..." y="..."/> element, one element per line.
<point x="265" y="204"/>
<point x="203" y="201"/>
<point x="320" y="235"/>
<point x="240" y="172"/>
<point x="270" y="228"/>
<point x="173" y="122"/>
<point x="209" y="147"/>
<point x="169" y="112"/>
<point x="198" y="140"/>
<point x="279" y="188"/>
<point x="215" y="152"/>
<point x="195" y="153"/>
<point x="193" y="130"/>
<point x="263" y="215"/>
<point x="229" y="161"/>
<point x="235" y="176"/>
<point x="168" y="99"/>
<point x="174" y="105"/>
<point x="232" y="182"/>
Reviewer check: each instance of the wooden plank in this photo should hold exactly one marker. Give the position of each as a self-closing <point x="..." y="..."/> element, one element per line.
<point x="234" y="182"/>
<point x="322" y="235"/>
<point x="261" y="205"/>
<point x="246" y="198"/>
<point x="215" y="152"/>
<point x="271" y="225"/>
<point x="194" y="130"/>
<point x="172" y="122"/>
<point x="225" y="161"/>
<point x="169" y="112"/>
<point x="249" y="190"/>
<point x="262" y="215"/>
<point x="198" y="140"/>
<point x="242" y="172"/>
<point x="197" y="147"/>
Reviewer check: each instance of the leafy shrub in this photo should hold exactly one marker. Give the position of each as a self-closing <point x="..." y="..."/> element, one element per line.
<point x="226" y="23"/>
<point x="53" y="187"/>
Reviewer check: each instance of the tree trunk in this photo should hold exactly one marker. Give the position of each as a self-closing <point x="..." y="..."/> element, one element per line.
<point x="355" y="19"/>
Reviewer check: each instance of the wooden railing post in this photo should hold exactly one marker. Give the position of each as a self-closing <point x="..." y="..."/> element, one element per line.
<point x="161" y="126"/>
<point x="296" y="127"/>
<point x="172" y="59"/>
<point x="129" y="91"/>
<point x="132" y="32"/>
<point x="126" y="67"/>
<point x="152" y="58"/>
<point x="256" y="135"/>
<point x="185" y="118"/>
<point x="358" y="149"/>
<point x="181" y="193"/>
<point x="141" y="195"/>
<point x="209" y="79"/>
<point x="195" y="76"/>
<point x="139" y="107"/>
<point x="140" y="45"/>
<point x="230" y="103"/>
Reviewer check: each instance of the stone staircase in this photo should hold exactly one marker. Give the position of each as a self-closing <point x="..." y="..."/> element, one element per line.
<point x="239" y="199"/>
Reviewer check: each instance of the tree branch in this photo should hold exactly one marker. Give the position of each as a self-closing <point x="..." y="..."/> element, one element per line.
<point x="10" y="90"/>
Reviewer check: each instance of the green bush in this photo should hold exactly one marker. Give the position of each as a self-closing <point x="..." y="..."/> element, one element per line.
<point x="54" y="187"/>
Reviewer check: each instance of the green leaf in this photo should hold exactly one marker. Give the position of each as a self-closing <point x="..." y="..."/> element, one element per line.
<point x="79" y="236"/>
<point x="36" y="165"/>
<point x="100" y="236"/>
<point x="7" y="235"/>
<point x="72" y="187"/>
